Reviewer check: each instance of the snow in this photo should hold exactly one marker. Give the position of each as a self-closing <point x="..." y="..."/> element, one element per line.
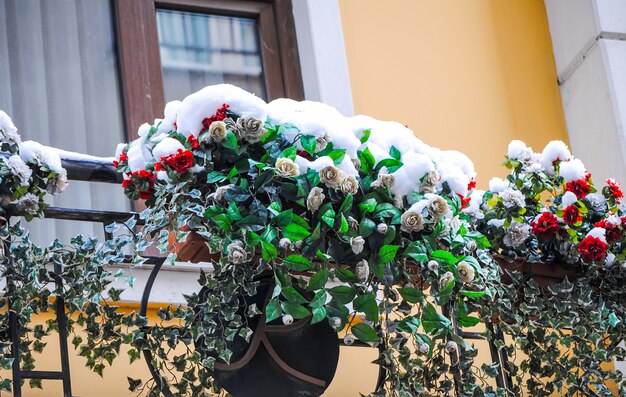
<point x="166" y="147"/>
<point x="568" y="199"/>
<point x="598" y="232"/>
<point x="205" y="103"/>
<point x="74" y="156"/>
<point x="31" y="150"/>
<point x="171" y="113"/>
<point x="497" y="185"/>
<point x="518" y="150"/>
<point x="554" y="151"/>
<point x="6" y="123"/>
<point x="136" y="160"/>
<point x="572" y="170"/>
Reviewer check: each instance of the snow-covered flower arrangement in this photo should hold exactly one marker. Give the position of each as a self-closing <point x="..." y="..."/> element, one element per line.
<point x="295" y="187"/>
<point x="28" y="171"/>
<point x="548" y="209"/>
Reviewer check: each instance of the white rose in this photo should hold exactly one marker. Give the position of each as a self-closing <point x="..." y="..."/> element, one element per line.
<point x="362" y="271"/>
<point x="381" y="228"/>
<point x="411" y="221"/>
<point x="512" y="198"/>
<point x="285" y="167"/>
<point x="217" y="132"/>
<point x="357" y="244"/>
<point x="350" y="185"/>
<point x="466" y="272"/>
<point x="236" y="252"/>
<point x="287" y="319"/>
<point x="315" y="199"/>
<point x="331" y="176"/>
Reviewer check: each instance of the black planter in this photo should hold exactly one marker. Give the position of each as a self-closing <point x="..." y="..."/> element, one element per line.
<point x="281" y="360"/>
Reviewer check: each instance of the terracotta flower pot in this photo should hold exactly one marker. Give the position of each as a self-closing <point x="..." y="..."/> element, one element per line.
<point x="193" y="249"/>
<point x="544" y="273"/>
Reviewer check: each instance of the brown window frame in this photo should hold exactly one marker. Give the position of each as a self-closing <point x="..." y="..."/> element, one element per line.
<point x="140" y="63"/>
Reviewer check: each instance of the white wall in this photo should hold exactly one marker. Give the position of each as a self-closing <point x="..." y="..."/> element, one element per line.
<point x="589" y="42"/>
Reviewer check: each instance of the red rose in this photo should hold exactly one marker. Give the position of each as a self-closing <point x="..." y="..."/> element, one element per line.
<point x="465" y="201"/>
<point x="179" y="162"/>
<point x="613" y="232"/>
<point x="580" y="188"/>
<point x="571" y="215"/>
<point x="126" y="183"/>
<point x="592" y="249"/>
<point x="193" y="142"/>
<point x="116" y="163"/>
<point x="123" y="156"/>
<point x="615" y="188"/>
<point x="219" y="115"/>
<point x="472" y="184"/>
<point x="146" y="194"/>
<point x="546" y="226"/>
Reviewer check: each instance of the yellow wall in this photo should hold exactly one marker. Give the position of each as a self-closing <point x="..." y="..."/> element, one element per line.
<point x="463" y="74"/>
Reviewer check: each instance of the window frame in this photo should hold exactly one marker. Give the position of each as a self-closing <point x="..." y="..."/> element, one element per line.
<point x="140" y="63"/>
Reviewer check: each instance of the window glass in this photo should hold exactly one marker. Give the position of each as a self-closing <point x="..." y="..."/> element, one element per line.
<point x="59" y="83"/>
<point x="200" y="49"/>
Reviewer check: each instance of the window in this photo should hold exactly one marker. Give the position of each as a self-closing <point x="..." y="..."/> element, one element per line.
<point x="180" y="46"/>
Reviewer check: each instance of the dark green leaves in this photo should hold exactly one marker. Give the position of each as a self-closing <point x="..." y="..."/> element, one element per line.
<point x="435" y="322"/>
<point x="297" y="263"/>
<point x="364" y="332"/>
<point x="295" y="232"/>
<point x="342" y="294"/>
<point x="367" y="304"/>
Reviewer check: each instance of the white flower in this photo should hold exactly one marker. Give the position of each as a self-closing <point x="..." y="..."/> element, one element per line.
<point x="8" y="131"/>
<point x="287" y="319"/>
<point x="497" y="185"/>
<point x="597" y="201"/>
<point x="446" y="279"/>
<point x="437" y="207"/>
<point x="471" y="245"/>
<point x="285" y="167"/>
<point x="424" y="348"/>
<point x="284" y="243"/>
<point x="598" y="232"/>
<point x="572" y="170"/>
<point x="217" y="132"/>
<point x="349" y="185"/>
<point x="20" y="169"/>
<point x="58" y="184"/>
<point x="519" y="151"/>
<point x="568" y="199"/>
<point x="349" y="339"/>
<point x="353" y="223"/>
<point x="331" y="176"/>
<point x="362" y="271"/>
<point x="433" y="265"/>
<point x="335" y="322"/>
<point x="29" y="204"/>
<point x="516" y="234"/>
<point x="315" y="198"/>
<point x="381" y="228"/>
<point x="411" y="221"/>
<point x="451" y="347"/>
<point x="398" y="201"/>
<point x="554" y="151"/>
<point x="466" y="272"/>
<point x="357" y="244"/>
<point x="452" y="225"/>
<point x="236" y="252"/>
<point x="512" y="198"/>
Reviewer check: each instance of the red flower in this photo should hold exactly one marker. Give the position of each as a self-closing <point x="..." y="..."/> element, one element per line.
<point x="546" y="226"/>
<point x="179" y="162"/>
<point x="145" y="174"/>
<point x="144" y="195"/>
<point x="580" y="188"/>
<point x="219" y="115"/>
<point x="158" y="166"/>
<point x="116" y="163"/>
<point x="592" y="249"/>
<point x="472" y="184"/>
<point x="193" y="141"/>
<point x="123" y="156"/>
<point x="613" y="232"/>
<point x="465" y="201"/>
<point x="615" y="188"/>
<point x="571" y="215"/>
<point x="126" y="183"/>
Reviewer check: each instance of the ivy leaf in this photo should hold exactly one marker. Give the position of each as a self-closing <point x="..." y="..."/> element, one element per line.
<point x="133" y="384"/>
<point x="295" y="232"/>
<point x="342" y="294"/>
<point x="364" y="332"/>
<point x="367" y="304"/>
<point x="297" y="263"/>
<point x="272" y="310"/>
<point x="433" y="321"/>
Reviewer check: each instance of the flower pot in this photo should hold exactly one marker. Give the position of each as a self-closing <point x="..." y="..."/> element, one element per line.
<point x="544" y="273"/>
<point x="193" y="249"/>
<point x="299" y="359"/>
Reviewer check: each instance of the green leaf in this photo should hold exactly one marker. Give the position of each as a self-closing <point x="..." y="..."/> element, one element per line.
<point x="272" y="310"/>
<point x="444" y="256"/>
<point x="368" y="205"/>
<point x="388" y="253"/>
<point x="231" y="141"/>
<point x="319" y="313"/>
<point x="342" y="294"/>
<point x="395" y="153"/>
<point x="366" y="227"/>
<point x="343" y="228"/>
<point x="329" y="217"/>
<point x="473" y="294"/>
<point x="297" y="263"/>
<point x="337" y="155"/>
<point x="233" y="211"/>
<point x="364" y="332"/>
<point x="411" y="295"/>
<point x="409" y="324"/>
<point x="392" y="164"/>
<point x="268" y="251"/>
<point x="367" y="160"/>
<point x="214" y="177"/>
<point x="347" y="204"/>
<point x="296" y="310"/>
<point x="232" y="173"/>
<point x="433" y="321"/>
<point x="318" y="280"/>
<point x="468" y="321"/>
<point x="292" y="295"/>
<point x="309" y="143"/>
<point x="613" y="320"/>
<point x="367" y="304"/>
<point x="366" y="135"/>
<point x="295" y="232"/>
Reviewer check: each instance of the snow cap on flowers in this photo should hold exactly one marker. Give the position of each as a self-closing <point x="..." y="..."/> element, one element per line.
<point x="498" y="185"/>
<point x="598" y="232"/>
<point x="166" y="147"/>
<point x="31" y="150"/>
<point x="136" y="158"/>
<point x="205" y="103"/>
<point x="572" y="170"/>
<point x="9" y="129"/>
<point x="170" y="112"/>
<point x="476" y="200"/>
<point x="554" y="151"/>
<point x="568" y="199"/>
<point x="518" y="150"/>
